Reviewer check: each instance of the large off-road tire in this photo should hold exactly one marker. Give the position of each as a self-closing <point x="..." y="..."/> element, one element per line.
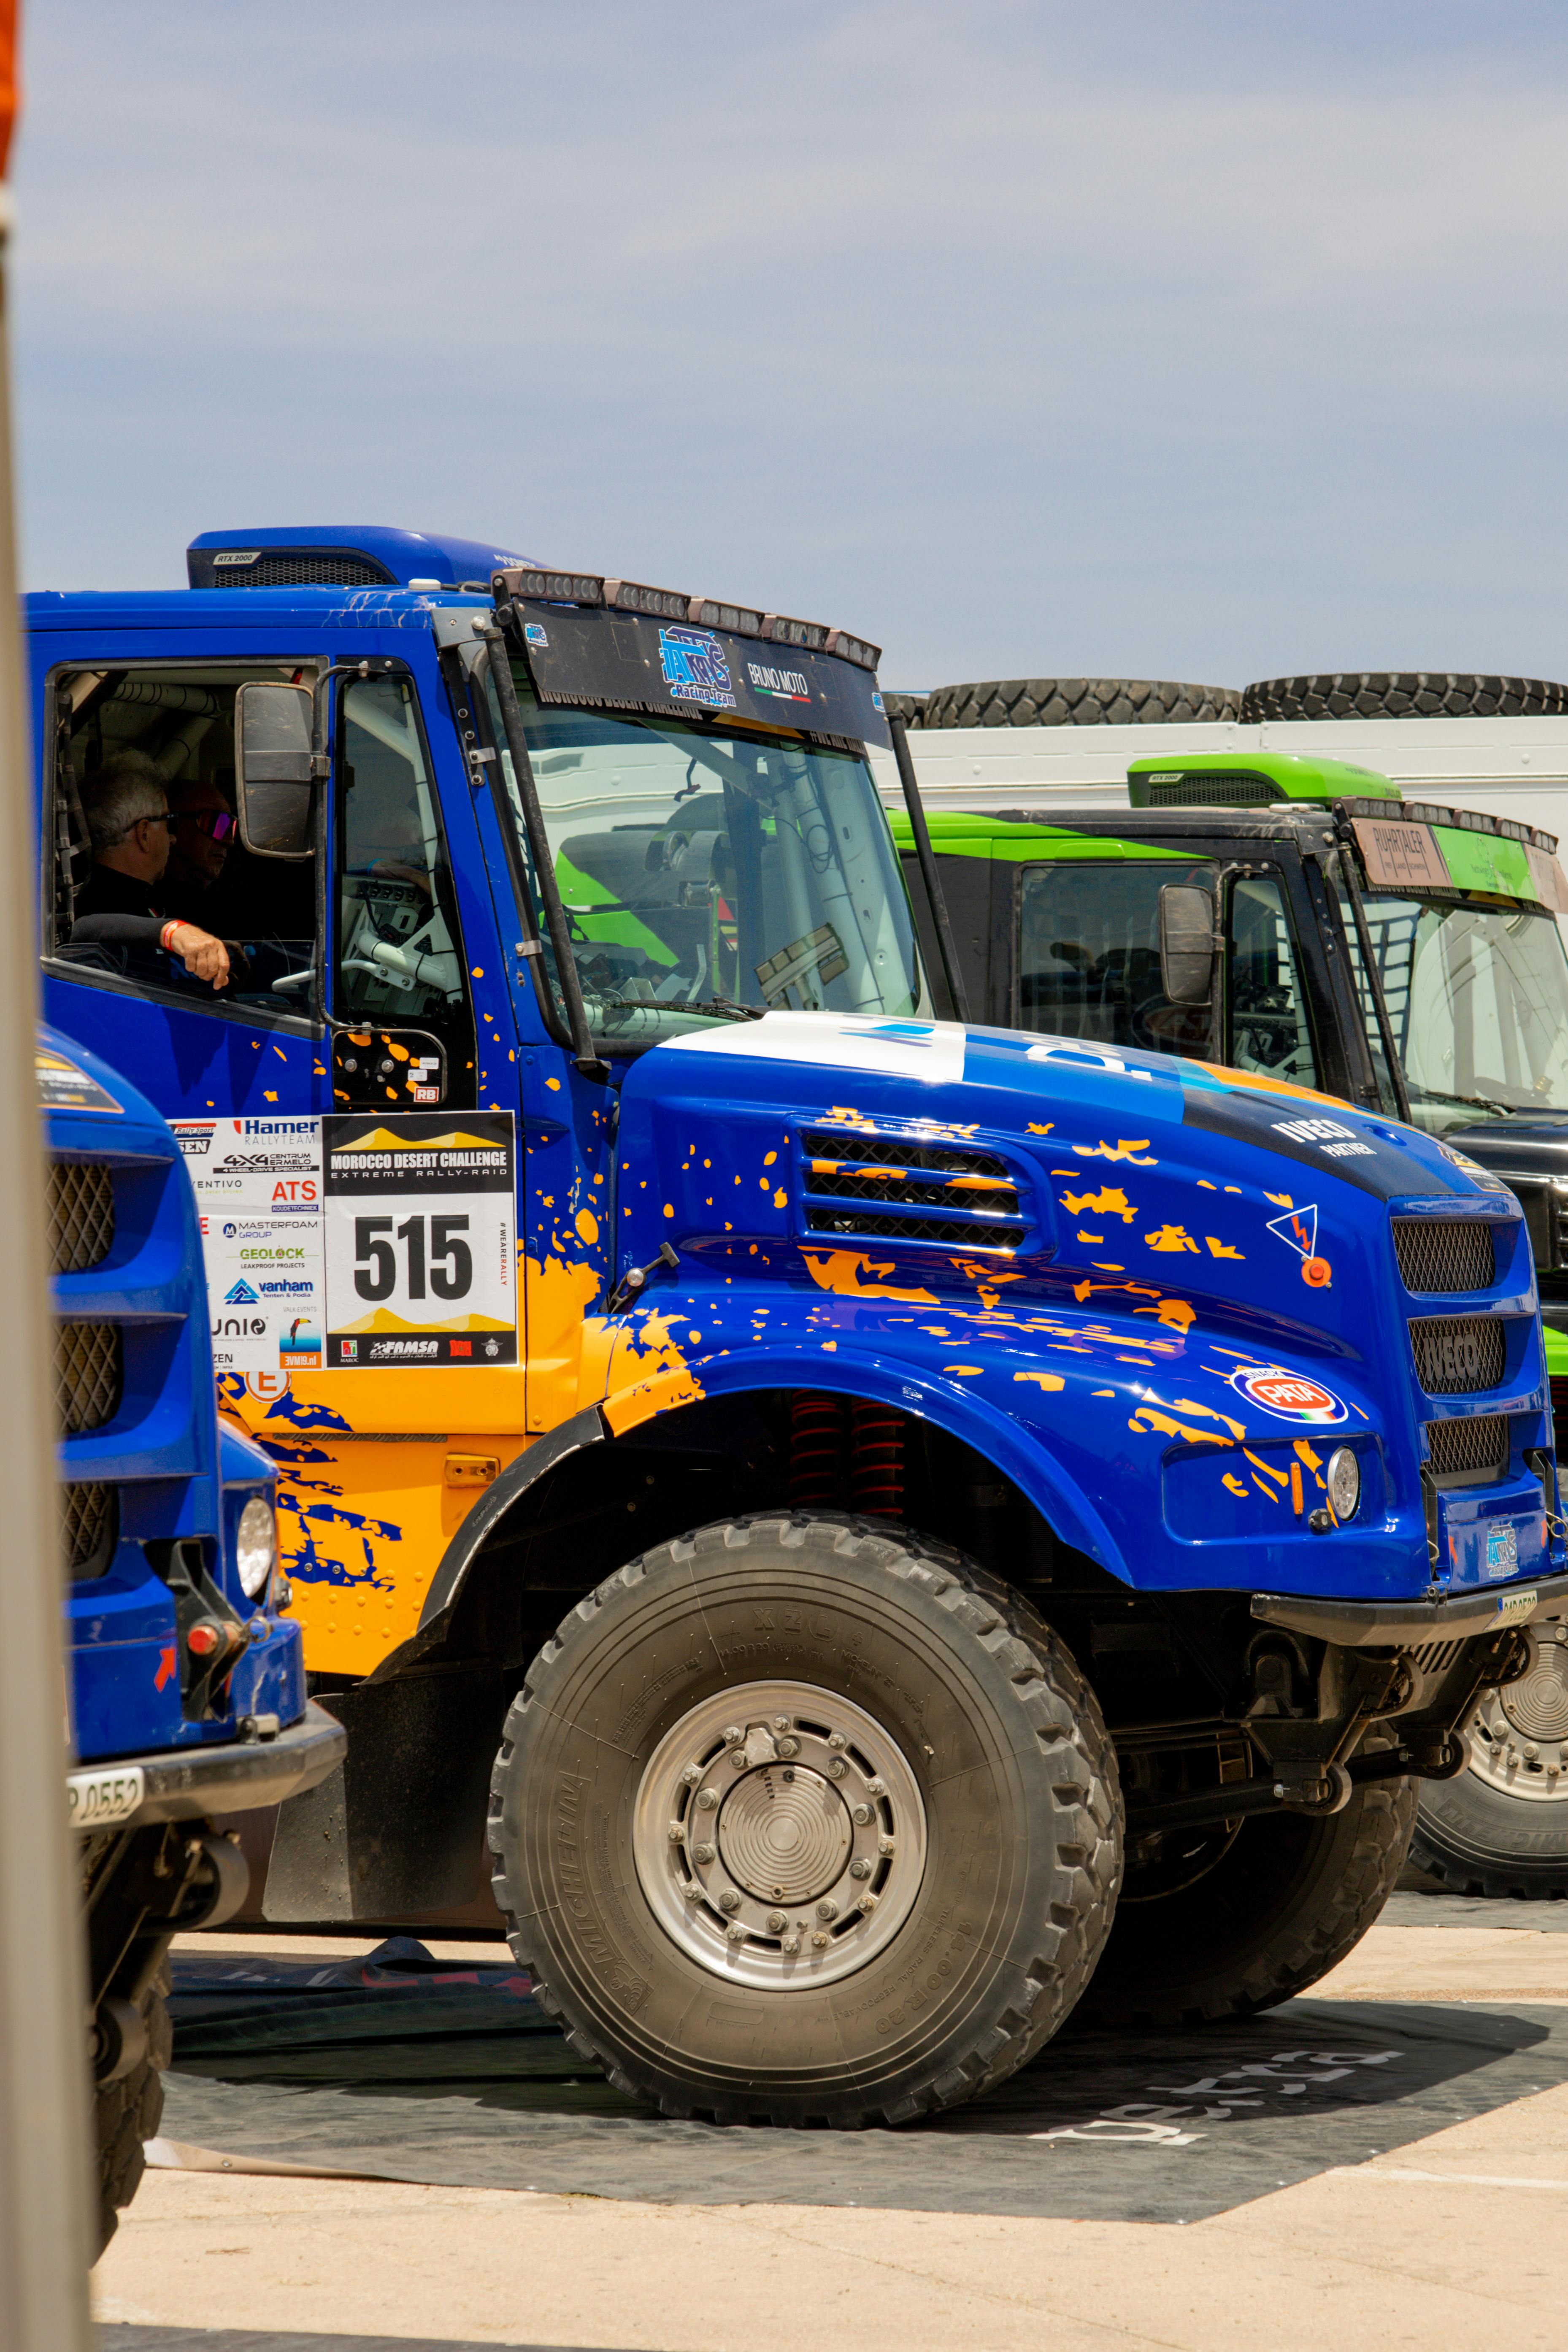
<point x="1500" y="1827"/>
<point x="941" y="1756"/>
<point x="1402" y="694"/>
<point x="1078" y="702"/>
<point x="127" y="2113"/>
<point x="1284" y="1904"/>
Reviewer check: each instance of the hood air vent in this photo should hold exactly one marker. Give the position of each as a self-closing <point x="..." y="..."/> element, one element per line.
<point x="1445" y="1254"/>
<point x="882" y="1188"/>
<point x="1458" y="1355"/>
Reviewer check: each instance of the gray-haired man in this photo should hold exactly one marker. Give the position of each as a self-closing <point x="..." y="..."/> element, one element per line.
<point x="127" y="812"/>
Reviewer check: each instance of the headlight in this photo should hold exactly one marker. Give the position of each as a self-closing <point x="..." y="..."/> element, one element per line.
<point x="256" y="1547"/>
<point x="1344" y="1484"/>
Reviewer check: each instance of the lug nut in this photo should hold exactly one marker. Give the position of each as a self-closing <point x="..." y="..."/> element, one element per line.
<point x="828" y="1910"/>
<point x="777" y="1923"/>
<point x="885" y="1844"/>
<point x="876" y="1787"/>
<point x="728" y="1900"/>
<point x="791" y="1943"/>
<point x="691" y="1774"/>
<point x="860" y="1870"/>
<point x="836" y="1739"/>
<point x="703" y="1853"/>
<point x="734" y="1933"/>
<point x="860" y="1813"/>
<point x="676" y="1833"/>
<point x="732" y="1733"/>
<point x="819" y="1940"/>
<point x="781" y="1723"/>
<point x="788" y="1747"/>
<point x="836" y="1768"/>
<point x="709" y="1798"/>
<point x="866" y="1903"/>
<point x="693" y="1892"/>
<point x="737" y="1758"/>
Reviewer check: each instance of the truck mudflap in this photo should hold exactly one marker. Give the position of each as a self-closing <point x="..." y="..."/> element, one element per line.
<point x="1411" y="1624"/>
<point x="136" y="1791"/>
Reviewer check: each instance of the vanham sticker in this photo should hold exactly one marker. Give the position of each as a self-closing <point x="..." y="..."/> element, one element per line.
<point x="1298" y="1231"/>
<point x="1288" y="1396"/>
<point x="1338" y="1142"/>
<point x="695" y="670"/>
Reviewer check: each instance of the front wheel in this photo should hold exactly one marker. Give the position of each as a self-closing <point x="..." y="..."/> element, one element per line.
<point x="796" y="1822"/>
<point x="127" y="2108"/>
<point x="1500" y="1827"/>
<point x="1264" y="1912"/>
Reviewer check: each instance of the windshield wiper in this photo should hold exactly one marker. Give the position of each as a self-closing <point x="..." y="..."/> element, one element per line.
<point x="724" y="1004"/>
<point x="1470" y="1102"/>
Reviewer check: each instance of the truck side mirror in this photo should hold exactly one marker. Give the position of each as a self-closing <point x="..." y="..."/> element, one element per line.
<point x="274" y="728"/>
<point x="1186" y="943"/>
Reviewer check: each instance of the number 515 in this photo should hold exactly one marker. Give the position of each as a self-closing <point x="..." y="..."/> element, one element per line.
<point x="442" y="1258"/>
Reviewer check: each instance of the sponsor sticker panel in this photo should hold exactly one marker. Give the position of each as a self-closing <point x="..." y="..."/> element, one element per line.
<point x="258" y="1183"/>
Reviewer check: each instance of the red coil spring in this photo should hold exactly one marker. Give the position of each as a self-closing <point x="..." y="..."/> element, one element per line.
<point x="877" y="1462"/>
<point x="817" y="1452"/>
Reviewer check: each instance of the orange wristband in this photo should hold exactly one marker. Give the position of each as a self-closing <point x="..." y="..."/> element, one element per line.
<point x="166" y="936"/>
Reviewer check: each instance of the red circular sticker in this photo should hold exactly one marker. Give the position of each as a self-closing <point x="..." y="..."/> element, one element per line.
<point x="1290" y="1396"/>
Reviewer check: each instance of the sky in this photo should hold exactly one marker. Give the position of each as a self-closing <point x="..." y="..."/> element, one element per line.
<point x="1209" y="341"/>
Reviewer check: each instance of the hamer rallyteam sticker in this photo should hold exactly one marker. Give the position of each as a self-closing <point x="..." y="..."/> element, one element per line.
<point x="1290" y="1396"/>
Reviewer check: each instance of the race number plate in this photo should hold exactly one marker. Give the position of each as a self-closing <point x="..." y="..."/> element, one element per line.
<point x="421" y="1231"/>
<point x="96" y="1799"/>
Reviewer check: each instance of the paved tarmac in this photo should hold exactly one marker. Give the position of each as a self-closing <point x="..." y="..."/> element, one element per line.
<point x="1384" y="2165"/>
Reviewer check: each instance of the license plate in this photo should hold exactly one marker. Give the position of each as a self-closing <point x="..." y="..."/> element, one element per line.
<point x="96" y="1801"/>
<point x="1502" y="1551"/>
<point x="1517" y="1605"/>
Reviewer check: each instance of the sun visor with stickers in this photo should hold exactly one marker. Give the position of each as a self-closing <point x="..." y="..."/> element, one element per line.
<point x="1363" y="1155"/>
<point x="672" y="668"/>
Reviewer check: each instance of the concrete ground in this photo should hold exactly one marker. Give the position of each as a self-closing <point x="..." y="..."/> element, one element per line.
<point x="1458" y="2234"/>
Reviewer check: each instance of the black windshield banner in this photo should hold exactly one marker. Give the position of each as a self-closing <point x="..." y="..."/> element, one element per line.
<point x="629" y="661"/>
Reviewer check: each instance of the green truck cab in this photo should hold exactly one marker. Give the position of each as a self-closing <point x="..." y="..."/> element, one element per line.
<point x="1296" y="918"/>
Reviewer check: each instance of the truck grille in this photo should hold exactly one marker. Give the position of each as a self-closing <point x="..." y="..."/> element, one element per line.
<point x="1457" y="1355"/>
<point x="307" y="572"/>
<point x="81" y="1217"/>
<point x="87" y="1375"/>
<point x="1227" y="790"/>
<point x="88" y="1529"/>
<point x="1468" y="1450"/>
<point x="1447" y="1254"/>
<point x="880" y="1188"/>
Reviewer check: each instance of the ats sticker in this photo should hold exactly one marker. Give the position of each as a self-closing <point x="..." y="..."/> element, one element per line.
<point x="695" y="670"/>
<point x="1288" y="1396"/>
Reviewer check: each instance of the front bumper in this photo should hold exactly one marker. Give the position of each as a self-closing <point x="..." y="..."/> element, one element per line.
<point x="239" y="1777"/>
<point x="1412" y="1624"/>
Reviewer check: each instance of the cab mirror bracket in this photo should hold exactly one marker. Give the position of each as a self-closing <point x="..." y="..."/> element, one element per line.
<point x="275" y="767"/>
<point x="1187" y="943"/>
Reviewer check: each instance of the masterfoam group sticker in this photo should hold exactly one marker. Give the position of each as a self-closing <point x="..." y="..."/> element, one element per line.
<point x="258" y="1183"/>
<point x="421" y="1239"/>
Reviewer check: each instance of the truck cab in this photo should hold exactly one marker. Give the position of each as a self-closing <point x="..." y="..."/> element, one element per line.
<point x="1388" y="950"/>
<point x="185" y="1697"/>
<point x="821" y="1497"/>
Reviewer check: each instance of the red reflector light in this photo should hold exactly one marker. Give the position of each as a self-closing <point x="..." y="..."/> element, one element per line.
<point x="203" y="1640"/>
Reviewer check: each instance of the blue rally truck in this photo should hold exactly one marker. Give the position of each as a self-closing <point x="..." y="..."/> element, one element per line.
<point x="868" y="1530"/>
<point x="187" y="1687"/>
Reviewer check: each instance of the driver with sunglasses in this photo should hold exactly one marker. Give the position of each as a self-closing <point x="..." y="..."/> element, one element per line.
<point x="123" y="902"/>
<point x="202" y="827"/>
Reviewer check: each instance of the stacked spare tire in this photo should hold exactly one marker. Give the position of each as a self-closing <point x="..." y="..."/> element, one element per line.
<point x="1155" y="702"/>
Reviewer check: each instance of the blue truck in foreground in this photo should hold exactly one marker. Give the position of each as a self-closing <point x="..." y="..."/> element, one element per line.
<point x="867" y="1531"/>
<point x="185" y="1695"/>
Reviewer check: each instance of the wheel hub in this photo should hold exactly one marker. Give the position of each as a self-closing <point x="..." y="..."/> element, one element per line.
<point x="779" y="1834"/>
<point x="1520" y="1741"/>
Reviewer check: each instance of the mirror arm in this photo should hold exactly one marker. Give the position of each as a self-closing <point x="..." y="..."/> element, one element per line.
<point x="587" y="1061"/>
<point x="929" y="876"/>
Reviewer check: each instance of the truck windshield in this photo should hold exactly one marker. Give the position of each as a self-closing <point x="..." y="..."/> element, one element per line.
<point x="1478" y="998"/>
<point x="706" y="869"/>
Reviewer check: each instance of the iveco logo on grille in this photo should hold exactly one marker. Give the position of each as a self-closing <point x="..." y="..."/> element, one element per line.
<point x="1457" y="1354"/>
